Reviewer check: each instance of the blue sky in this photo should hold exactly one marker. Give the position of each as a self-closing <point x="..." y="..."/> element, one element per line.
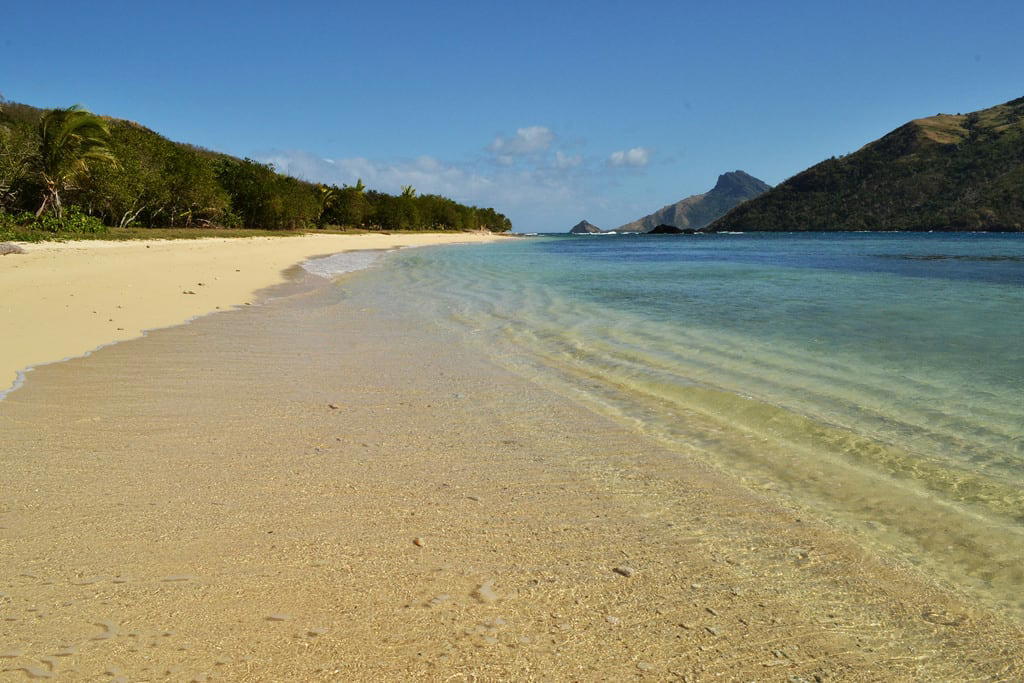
<point x="550" y="112"/>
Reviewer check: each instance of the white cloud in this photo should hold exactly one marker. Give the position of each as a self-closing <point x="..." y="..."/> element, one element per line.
<point x="527" y="195"/>
<point x="636" y="156"/>
<point x="529" y="140"/>
<point x="427" y="174"/>
<point x="529" y="177"/>
<point x="563" y="160"/>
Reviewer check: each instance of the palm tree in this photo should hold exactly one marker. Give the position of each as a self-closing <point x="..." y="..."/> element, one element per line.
<point x="328" y="196"/>
<point x="70" y="141"/>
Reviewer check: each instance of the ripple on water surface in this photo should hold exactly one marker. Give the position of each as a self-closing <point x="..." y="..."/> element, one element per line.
<point x="874" y="377"/>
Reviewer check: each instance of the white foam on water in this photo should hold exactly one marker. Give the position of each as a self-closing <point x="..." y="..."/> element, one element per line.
<point x="341" y="263"/>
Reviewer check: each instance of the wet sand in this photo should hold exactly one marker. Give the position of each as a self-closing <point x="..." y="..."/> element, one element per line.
<point x="63" y="299"/>
<point x="325" y="488"/>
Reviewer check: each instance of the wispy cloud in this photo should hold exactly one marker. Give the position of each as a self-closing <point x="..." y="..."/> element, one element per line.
<point x="526" y="141"/>
<point x="635" y="156"/>
<point x="426" y="173"/>
<point x="563" y="160"/>
<point x="538" y="182"/>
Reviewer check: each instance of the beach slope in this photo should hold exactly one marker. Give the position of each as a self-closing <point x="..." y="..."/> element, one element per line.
<point x="64" y="299"/>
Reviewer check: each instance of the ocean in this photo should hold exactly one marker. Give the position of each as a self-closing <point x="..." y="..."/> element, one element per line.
<point x="875" y="380"/>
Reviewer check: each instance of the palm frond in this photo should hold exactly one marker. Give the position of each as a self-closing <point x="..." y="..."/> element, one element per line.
<point x="71" y="140"/>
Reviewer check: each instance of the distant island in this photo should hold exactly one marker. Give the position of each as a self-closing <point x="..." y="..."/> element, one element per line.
<point x="66" y="172"/>
<point x="692" y="213"/>
<point x="585" y="227"/>
<point x="697" y="211"/>
<point x="944" y="172"/>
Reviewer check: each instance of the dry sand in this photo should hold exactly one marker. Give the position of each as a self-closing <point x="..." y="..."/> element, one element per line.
<point x="324" y="488"/>
<point x="64" y="299"/>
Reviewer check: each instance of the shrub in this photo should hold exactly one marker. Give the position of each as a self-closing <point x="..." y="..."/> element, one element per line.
<point x="26" y="227"/>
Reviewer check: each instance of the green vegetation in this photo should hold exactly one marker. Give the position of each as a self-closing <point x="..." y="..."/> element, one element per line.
<point x="71" y="224"/>
<point x="71" y="141"/>
<point x="946" y="172"/>
<point x="67" y="173"/>
<point x="12" y="228"/>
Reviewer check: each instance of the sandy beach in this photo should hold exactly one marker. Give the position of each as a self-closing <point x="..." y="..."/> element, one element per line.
<point x="325" y="487"/>
<point x="63" y="299"/>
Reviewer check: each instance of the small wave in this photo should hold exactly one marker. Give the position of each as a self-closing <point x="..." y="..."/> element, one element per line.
<point x="953" y="257"/>
<point x="344" y="262"/>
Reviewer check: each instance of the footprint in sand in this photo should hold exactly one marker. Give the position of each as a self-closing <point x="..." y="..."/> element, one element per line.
<point x="88" y="581"/>
<point x="35" y="672"/>
<point x="486" y="593"/>
<point x="110" y="630"/>
<point x="176" y="578"/>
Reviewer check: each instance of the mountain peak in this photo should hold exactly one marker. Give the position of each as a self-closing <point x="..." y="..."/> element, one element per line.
<point x="699" y="210"/>
<point x="740" y="183"/>
<point x="584" y="227"/>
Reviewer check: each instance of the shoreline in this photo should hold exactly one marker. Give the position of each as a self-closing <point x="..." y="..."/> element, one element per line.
<point x="68" y="299"/>
<point x="351" y="492"/>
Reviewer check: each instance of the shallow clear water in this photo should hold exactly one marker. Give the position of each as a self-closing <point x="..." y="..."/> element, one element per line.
<point x="876" y="378"/>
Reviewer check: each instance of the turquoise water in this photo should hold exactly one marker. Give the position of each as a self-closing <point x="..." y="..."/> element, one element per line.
<point x="877" y="379"/>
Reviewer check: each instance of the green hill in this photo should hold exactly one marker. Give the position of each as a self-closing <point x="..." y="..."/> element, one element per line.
<point x="944" y="172"/>
<point x="153" y="182"/>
